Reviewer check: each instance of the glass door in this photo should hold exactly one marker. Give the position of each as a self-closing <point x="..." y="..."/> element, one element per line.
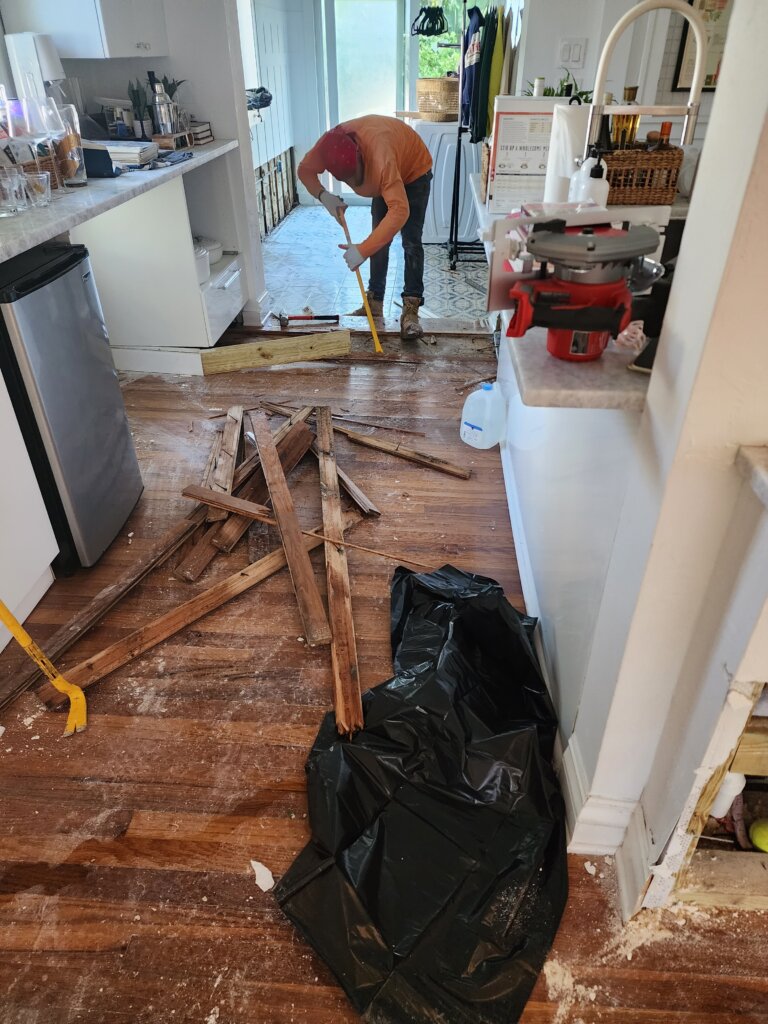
<point x="365" y="54"/>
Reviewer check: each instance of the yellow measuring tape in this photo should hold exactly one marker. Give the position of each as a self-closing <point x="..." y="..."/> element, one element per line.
<point x="78" y="713"/>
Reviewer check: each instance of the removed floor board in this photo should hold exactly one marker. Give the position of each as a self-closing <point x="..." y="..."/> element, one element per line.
<point x="316" y="628"/>
<point x="223" y="471"/>
<point x="346" y="677"/>
<point x="90" y="671"/>
<point x="446" y="327"/>
<point x="250" y="356"/>
<point x="125" y="852"/>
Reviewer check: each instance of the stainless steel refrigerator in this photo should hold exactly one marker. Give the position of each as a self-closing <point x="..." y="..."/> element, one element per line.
<point x="57" y="364"/>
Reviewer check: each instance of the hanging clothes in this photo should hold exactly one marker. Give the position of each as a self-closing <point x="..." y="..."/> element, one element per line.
<point x="497" y="61"/>
<point x="479" y="113"/>
<point x="509" y="54"/>
<point x="471" y="60"/>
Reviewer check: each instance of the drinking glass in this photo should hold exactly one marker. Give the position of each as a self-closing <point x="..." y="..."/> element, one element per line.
<point x="38" y="186"/>
<point x="69" y="150"/>
<point x="11" y="193"/>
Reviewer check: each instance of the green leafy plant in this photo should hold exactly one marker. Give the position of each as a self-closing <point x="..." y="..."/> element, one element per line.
<point x="171" y="85"/>
<point x="137" y="94"/>
<point x="561" y="89"/>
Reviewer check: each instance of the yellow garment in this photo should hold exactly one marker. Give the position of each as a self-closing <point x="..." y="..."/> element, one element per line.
<point x="497" y="62"/>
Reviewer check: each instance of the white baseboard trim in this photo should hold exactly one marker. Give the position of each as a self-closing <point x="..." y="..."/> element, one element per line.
<point x="183" y="361"/>
<point x="597" y="824"/>
<point x="257" y="312"/>
<point x="28" y="603"/>
<point x="633" y="864"/>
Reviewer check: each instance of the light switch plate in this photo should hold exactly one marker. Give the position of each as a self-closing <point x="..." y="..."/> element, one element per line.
<point x="570" y="52"/>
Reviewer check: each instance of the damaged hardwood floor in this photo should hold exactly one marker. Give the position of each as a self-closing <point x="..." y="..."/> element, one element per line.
<point x="126" y="891"/>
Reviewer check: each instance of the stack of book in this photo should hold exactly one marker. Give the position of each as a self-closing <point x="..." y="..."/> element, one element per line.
<point x="202" y="133"/>
<point x="126" y="151"/>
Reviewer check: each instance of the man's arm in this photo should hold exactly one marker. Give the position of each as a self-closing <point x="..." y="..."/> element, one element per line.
<point x="398" y="210"/>
<point x="308" y="172"/>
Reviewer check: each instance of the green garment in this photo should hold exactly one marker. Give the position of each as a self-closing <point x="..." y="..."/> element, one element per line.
<point x="497" y="62"/>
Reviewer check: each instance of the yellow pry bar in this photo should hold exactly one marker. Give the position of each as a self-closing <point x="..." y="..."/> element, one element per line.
<point x="376" y="343"/>
<point x="77" y="718"/>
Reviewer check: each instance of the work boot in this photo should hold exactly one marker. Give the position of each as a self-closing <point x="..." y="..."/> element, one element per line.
<point x="410" y="328"/>
<point x="377" y="307"/>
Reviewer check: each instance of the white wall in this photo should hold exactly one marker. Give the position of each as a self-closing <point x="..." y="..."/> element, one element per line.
<point x="706" y="397"/>
<point x="273" y="133"/>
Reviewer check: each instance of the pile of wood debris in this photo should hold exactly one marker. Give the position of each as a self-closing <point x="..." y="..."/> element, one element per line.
<point x="245" y="481"/>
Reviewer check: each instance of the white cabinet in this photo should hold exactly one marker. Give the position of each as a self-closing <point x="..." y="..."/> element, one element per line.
<point x="27" y="543"/>
<point x="93" y="28"/>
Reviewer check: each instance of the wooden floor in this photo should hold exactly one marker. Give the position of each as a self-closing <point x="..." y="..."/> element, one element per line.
<point x="126" y="892"/>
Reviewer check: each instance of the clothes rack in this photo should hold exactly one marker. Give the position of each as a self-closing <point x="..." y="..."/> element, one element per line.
<point x="467" y="252"/>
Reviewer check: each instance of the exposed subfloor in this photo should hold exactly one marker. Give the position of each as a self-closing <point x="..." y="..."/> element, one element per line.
<point x="126" y="892"/>
<point x="305" y="267"/>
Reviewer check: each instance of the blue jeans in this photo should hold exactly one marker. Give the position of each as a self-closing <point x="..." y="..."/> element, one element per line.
<point x="418" y="197"/>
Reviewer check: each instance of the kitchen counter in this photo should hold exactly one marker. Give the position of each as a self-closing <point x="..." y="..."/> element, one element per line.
<point x="605" y="383"/>
<point x="17" y="234"/>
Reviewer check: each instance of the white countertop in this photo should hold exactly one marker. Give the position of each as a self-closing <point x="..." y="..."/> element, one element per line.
<point x="605" y="383"/>
<point x="17" y="234"/>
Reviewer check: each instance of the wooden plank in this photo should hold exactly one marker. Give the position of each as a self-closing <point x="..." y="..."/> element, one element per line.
<point x="347" y="701"/>
<point x="283" y="410"/>
<point x="276" y="352"/>
<point x="226" y="502"/>
<point x="726" y="878"/>
<point x="751" y="756"/>
<point x="251" y="464"/>
<point x="357" y="494"/>
<point x="223" y="474"/>
<point x="263" y="515"/>
<point x="392" y="447"/>
<point x="92" y="669"/>
<point x="107" y="598"/>
<point x="316" y="628"/>
<point x="213" y="456"/>
<point x="199" y="557"/>
<point x="292" y="448"/>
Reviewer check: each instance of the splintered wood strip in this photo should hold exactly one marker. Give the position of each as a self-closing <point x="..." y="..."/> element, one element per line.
<point x="393" y="448"/>
<point x="263" y="515"/>
<point x="92" y="669"/>
<point x="347" y="700"/>
<point x="262" y="538"/>
<point x="106" y="599"/>
<point x="357" y="494"/>
<point x="292" y="448"/>
<point x="213" y="456"/>
<point x="223" y="536"/>
<point x="317" y="630"/>
<point x="223" y="474"/>
<point x="249" y="466"/>
<point x="378" y="425"/>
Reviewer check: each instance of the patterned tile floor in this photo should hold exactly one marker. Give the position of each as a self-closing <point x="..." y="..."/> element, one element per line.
<point x="304" y="267"/>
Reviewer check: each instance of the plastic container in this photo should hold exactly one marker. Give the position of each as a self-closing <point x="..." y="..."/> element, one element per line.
<point x="595" y="187"/>
<point x="483" y="417"/>
<point x="580" y="179"/>
<point x="215" y="248"/>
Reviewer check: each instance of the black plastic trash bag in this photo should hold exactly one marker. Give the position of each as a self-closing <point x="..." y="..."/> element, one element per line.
<point x="436" y="876"/>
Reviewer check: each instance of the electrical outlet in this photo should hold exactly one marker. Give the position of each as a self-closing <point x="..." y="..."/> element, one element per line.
<point x="570" y="53"/>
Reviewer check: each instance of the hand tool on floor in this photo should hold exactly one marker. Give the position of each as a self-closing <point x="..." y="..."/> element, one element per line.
<point x="363" y="293"/>
<point x="285" y="319"/>
<point x="78" y="715"/>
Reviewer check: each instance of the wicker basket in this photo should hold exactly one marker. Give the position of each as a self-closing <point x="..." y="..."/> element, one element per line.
<point x="640" y="178"/>
<point x="438" y="98"/>
<point x="44" y="163"/>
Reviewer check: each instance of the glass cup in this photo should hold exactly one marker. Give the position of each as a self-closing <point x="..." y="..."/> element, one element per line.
<point x="11" y="193"/>
<point x="69" y="150"/>
<point x="38" y="185"/>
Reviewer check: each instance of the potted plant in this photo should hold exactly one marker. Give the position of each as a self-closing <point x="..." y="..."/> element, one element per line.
<point x="137" y="94"/>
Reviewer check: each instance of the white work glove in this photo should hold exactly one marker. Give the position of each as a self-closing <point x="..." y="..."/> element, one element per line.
<point x="352" y="256"/>
<point x="333" y="204"/>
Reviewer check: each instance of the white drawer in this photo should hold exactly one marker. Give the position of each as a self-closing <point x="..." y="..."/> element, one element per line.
<point x="223" y="295"/>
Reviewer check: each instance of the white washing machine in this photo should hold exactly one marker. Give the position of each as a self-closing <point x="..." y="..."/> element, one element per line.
<point x="440" y="139"/>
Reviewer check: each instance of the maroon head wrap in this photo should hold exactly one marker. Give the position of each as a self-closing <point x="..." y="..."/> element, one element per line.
<point x="339" y="152"/>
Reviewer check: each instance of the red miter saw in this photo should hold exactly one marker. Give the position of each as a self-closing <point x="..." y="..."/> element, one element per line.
<point x="586" y="299"/>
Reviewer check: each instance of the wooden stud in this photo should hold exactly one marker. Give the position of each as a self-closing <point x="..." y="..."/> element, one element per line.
<point x="92" y="669"/>
<point x="316" y="628"/>
<point x="346" y="677"/>
<point x="275" y="352"/>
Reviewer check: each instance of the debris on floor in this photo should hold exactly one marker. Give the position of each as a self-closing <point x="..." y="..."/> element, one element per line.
<point x="239" y="487"/>
<point x="264" y="877"/>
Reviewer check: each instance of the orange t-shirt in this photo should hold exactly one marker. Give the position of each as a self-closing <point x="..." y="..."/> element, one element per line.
<point x="393" y="156"/>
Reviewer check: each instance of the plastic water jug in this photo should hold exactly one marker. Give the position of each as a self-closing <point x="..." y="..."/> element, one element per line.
<point x="483" y="417"/>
